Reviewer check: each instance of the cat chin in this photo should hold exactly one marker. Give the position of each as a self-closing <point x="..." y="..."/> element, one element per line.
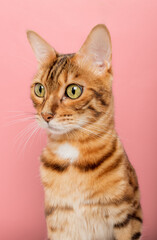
<point x="57" y="131"/>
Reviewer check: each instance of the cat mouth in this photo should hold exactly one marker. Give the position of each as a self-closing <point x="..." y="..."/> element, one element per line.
<point x="55" y="130"/>
<point x="54" y="127"/>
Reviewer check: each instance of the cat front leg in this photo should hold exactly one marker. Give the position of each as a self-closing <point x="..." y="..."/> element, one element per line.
<point x="129" y="228"/>
<point x="60" y="223"/>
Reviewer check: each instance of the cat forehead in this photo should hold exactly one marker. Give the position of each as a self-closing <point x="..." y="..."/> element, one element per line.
<point x="61" y="66"/>
<point x="65" y="70"/>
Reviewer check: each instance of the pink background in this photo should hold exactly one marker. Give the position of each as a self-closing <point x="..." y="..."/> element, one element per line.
<point x="65" y="24"/>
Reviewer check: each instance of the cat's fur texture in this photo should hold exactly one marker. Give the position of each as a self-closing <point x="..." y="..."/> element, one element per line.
<point x="91" y="189"/>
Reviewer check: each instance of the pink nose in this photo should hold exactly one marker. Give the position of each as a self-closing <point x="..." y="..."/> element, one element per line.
<point x="47" y="116"/>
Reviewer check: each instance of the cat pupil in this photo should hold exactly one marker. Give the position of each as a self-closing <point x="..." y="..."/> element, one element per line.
<point x="73" y="90"/>
<point x="40" y="89"/>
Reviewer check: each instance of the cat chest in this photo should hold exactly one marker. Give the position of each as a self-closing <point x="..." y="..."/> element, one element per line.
<point x="93" y="222"/>
<point x="66" y="194"/>
<point x="73" y="187"/>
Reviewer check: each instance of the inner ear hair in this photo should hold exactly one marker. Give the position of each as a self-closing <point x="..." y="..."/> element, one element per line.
<point x="97" y="49"/>
<point x="42" y="50"/>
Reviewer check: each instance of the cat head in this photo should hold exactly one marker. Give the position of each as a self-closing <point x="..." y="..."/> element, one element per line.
<point x="71" y="91"/>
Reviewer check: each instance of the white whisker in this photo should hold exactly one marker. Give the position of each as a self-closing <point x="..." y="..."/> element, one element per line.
<point x="19" y="120"/>
<point x="31" y="134"/>
<point x="21" y="114"/>
<point x="25" y="130"/>
<point x="19" y="140"/>
<point x="98" y="135"/>
<point x="17" y="111"/>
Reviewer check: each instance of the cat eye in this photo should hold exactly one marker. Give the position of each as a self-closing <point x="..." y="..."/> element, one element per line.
<point x="73" y="91"/>
<point x="39" y="90"/>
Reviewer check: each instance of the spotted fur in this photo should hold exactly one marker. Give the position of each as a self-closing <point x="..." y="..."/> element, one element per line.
<point x="91" y="189"/>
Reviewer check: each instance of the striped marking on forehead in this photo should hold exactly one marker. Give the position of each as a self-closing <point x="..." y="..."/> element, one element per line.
<point x="57" y="67"/>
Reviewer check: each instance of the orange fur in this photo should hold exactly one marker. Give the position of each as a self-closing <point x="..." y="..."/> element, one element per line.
<point x="91" y="189"/>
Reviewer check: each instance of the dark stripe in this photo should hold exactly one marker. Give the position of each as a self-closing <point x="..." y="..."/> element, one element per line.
<point x="96" y="113"/>
<point x="99" y="96"/>
<point x="67" y="55"/>
<point x="136" y="188"/>
<point x="53" y="229"/>
<point x="113" y="166"/>
<point x="136" y="218"/>
<point x="77" y="75"/>
<point x="81" y="106"/>
<point x="126" y="199"/>
<point x="50" y="210"/>
<point x="58" y="61"/>
<point x="55" y="66"/>
<point x="133" y="184"/>
<point x="92" y="166"/>
<point x="136" y="236"/>
<point x="64" y="208"/>
<point x="116" y="203"/>
<point x="124" y="223"/>
<point x="61" y="69"/>
<point x="54" y="108"/>
<point x="61" y="60"/>
<point x="54" y="166"/>
<point x="136" y="204"/>
<point x="127" y="220"/>
<point x="51" y="68"/>
<point x="91" y="108"/>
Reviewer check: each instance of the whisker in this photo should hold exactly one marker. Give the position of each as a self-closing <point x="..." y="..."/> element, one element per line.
<point x="21" y="114"/>
<point x="98" y="126"/>
<point x="35" y="134"/>
<point x="31" y="134"/>
<point x="19" y="139"/>
<point x="18" y="121"/>
<point x="17" y="111"/>
<point x="29" y="127"/>
<point x="98" y="135"/>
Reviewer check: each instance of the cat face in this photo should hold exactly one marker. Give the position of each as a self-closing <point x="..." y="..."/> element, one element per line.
<point x="74" y="90"/>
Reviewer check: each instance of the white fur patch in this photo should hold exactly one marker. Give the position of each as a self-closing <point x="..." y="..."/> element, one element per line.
<point x="68" y="152"/>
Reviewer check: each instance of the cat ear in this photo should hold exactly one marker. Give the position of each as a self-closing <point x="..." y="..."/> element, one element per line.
<point x="42" y="50"/>
<point x="97" y="49"/>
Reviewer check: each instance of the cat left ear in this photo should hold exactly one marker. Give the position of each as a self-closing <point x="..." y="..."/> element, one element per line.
<point x="42" y="50"/>
<point x="97" y="49"/>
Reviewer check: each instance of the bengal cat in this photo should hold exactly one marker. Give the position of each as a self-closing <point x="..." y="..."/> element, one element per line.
<point x="91" y="189"/>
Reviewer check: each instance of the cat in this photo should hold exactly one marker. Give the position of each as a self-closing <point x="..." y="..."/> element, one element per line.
<point x="91" y="189"/>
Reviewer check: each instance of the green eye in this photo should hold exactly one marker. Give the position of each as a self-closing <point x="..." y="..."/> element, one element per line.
<point x="39" y="90"/>
<point x="73" y="91"/>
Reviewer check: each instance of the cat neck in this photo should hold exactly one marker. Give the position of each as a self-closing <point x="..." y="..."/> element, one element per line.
<point x="97" y="137"/>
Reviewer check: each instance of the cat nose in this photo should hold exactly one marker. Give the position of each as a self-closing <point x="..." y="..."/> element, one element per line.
<point x="47" y="116"/>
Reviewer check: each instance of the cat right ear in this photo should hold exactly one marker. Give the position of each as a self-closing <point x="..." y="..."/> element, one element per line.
<point x="96" y="51"/>
<point x="42" y="50"/>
